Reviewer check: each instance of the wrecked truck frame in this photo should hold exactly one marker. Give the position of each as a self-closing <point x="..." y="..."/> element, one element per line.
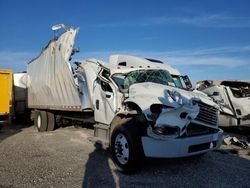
<point x="233" y="98"/>
<point x="140" y="107"/>
<point x="173" y="121"/>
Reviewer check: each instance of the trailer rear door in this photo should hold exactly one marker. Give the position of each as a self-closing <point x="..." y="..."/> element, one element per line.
<point x="6" y="83"/>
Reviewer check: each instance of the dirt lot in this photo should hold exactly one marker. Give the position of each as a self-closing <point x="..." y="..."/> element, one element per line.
<point x="68" y="158"/>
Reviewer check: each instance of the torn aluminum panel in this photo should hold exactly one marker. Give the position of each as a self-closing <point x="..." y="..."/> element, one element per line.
<point x="56" y="87"/>
<point x="86" y="74"/>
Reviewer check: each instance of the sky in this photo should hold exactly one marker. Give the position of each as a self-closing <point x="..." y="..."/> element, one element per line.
<point x="202" y="39"/>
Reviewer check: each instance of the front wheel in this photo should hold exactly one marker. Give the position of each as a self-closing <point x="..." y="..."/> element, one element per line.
<point x="126" y="148"/>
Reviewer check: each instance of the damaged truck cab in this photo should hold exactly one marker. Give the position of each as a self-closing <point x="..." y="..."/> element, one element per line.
<point x="151" y="112"/>
<point x="139" y="107"/>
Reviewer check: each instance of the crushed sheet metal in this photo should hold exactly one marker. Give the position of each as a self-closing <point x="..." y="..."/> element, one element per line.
<point x="56" y="86"/>
<point x="235" y="141"/>
<point x="172" y="117"/>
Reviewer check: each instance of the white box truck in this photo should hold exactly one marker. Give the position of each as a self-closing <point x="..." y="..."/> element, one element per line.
<point x="233" y="98"/>
<point x="140" y="107"/>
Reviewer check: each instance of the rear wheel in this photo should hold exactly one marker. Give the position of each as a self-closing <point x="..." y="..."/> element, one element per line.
<point x="41" y="120"/>
<point x="51" y="121"/>
<point x="126" y="147"/>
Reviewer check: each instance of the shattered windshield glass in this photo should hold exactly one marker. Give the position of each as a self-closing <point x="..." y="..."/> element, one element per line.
<point x="124" y="81"/>
<point x="239" y="89"/>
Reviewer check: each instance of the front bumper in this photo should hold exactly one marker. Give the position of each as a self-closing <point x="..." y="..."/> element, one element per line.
<point x="181" y="147"/>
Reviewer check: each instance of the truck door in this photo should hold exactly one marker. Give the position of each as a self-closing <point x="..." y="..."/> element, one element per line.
<point x="220" y="96"/>
<point x="241" y="104"/>
<point x="104" y="101"/>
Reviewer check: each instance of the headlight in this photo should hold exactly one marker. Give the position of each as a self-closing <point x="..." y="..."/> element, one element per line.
<point x="166" y="130"/>
<point x="176" y="96"/>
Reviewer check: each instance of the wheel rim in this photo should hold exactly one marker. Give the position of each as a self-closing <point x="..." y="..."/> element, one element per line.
<point x="121" y="149"/>
<point x="39" y="121"/>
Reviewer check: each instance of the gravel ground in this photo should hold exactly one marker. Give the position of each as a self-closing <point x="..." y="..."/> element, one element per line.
<point x="68" y="158"/>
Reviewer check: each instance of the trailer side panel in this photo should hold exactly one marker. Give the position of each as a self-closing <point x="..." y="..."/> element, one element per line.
<point x="51" y="84"/>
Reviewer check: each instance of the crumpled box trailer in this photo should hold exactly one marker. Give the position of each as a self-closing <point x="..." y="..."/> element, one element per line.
<point x="141" y="107"/>
<point x="233" y="98"/>
<point x="6" y="96"/>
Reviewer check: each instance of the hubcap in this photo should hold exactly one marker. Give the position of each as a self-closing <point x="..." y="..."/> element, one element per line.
<point x="121" y="149"/>
<point x="39" y="121"/>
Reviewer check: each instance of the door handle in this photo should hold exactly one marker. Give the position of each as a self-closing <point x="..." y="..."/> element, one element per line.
<point x="108" y="96"/>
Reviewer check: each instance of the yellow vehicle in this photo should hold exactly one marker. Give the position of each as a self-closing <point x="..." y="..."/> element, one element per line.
<point x="6" y="86"/>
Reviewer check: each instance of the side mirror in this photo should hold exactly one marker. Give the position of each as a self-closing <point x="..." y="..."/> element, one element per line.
<point x="187" y="82"/>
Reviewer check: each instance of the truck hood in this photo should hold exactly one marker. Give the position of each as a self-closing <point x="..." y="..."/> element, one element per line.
<point x="179" y="107"/>
<point x="152" y="93"/>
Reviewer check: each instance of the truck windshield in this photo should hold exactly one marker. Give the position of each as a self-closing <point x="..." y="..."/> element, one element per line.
<point x="124" y="81"/>
<point x="239" y="89"/>
<point x="177" y="81"/>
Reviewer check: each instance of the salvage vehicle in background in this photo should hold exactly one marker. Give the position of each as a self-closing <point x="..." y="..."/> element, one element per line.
<point x="6" y="96"/>
<point x="21" y="111"/>
<point x="13" y="97"/>
<point x="139" y="107"/>
<point x="233" y="98"/>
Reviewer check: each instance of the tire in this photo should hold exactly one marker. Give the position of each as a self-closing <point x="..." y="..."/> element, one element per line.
<point x="51" y="121"/>
<point x="41" y="120"/>
<point x="126" y="147"/>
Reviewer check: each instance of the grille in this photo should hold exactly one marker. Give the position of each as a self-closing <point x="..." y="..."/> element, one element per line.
<point x="195" y="129"/>
<point x="207" y="114"/>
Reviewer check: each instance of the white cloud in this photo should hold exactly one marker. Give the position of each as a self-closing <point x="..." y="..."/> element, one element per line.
<point x="221" y="56"/>
<point x="199" y="20"/>
<point x="222" y="61"/>
<point x="16" y="61"/>
<point x="212" y="56"/>
<point x="206" y="20"/>
<point x="225" y="50"/>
